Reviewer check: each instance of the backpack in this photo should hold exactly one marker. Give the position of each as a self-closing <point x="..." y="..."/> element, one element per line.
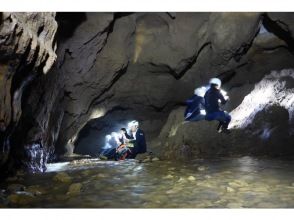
<point x="122" y="152"/>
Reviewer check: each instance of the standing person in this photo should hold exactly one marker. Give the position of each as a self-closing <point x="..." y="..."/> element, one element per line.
<point x="137" y="138"/>
<point x="213" y="97"/>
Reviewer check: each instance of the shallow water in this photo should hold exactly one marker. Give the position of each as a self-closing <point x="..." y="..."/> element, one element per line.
<point x="216" y="183"/>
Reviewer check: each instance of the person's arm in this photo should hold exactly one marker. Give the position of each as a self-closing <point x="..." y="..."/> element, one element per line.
<point x="222" y="98"/>
<point x="189" y="101"/>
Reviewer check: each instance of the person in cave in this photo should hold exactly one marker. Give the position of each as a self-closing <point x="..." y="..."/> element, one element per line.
<point x="124" y="135"/>
<point x="123" y="150"/>
<point x="117" y="146"/>
<point x="213" y="97"/>
<point x="137" y="137"/>
<point x="111" y="143"/>
<point x="195" y="110"/>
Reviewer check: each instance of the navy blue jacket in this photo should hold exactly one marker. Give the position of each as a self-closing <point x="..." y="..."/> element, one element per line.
<point x="194" y="105"/>
<point x="212" y="96"/>
<point x="140" y="143"/>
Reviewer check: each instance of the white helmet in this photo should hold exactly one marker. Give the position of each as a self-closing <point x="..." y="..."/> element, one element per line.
<point x="133" y="123"/>
<point x="216" y="81"/>
<point x="108" y="137"/>
<point x="200" y="91"/>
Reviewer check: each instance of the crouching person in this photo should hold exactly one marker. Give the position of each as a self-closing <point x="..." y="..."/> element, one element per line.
<point x="109" y="150"/>
<point x="123" y="150"/>
<point x="213" y="97"/>
<point x="137" y="138"/>
<point x="195" y="110"/>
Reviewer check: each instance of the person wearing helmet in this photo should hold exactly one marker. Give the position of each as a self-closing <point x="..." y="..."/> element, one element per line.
<point x="108" y="151"/>
<point x="137" y="138"/>
<point x="213" y="97"/>
<point x="195" y="110"/>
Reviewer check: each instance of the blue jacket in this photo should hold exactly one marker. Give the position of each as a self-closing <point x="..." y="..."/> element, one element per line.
<point x="212" y="97"/>
<point x="194" y="105"/>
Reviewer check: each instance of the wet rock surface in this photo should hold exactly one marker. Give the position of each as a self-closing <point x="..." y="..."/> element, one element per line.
<point x="244" y="182"/>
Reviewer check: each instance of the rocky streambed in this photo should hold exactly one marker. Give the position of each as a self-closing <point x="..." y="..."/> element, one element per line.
<point x="244" y="182"/>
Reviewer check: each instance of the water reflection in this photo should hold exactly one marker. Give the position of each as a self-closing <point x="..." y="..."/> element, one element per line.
<point x="215" y="183"/>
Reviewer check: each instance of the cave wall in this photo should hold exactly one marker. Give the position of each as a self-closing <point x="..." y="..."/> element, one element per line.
<point x="27" y="50"/>
<point x="115" y="67"/>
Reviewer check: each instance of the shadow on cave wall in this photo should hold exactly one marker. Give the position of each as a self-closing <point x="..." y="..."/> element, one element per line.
<point x="67" y="24"/>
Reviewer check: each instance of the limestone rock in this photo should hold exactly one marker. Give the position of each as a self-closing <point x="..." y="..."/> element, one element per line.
<point x="27" y="50"/>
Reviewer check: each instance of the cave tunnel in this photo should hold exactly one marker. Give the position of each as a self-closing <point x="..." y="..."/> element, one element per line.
<point x="69" y="79"/>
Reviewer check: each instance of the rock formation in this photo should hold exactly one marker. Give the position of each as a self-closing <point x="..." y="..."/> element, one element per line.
<point x="27" y="49"/>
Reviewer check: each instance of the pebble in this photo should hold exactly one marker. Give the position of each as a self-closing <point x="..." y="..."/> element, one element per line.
<point x="20" y="199"/>
<point x="62" y="177"/>
<point x="260" y="189"/>
<point x="181" y="180"/>
<point x="155" y="159"/>
<point x="146" y="160"/>
<point x="172" y="191"/>
<point x="168" y="177"/>
<point x="238" y="184"/>
<point x="191" y="178"/>
<point x="74" y="189"/>
<point x="201" y="168"/>
<point x="36" y="190"/>
<point x="229" y="189"/>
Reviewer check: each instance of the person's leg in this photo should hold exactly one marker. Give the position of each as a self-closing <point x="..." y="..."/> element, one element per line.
<point x="227" y="119"/>
<point x="196" y="117"/>
<point x="223" y="117"/>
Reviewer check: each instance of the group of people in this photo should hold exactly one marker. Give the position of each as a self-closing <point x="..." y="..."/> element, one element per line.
<point x="123" y="145"/>
<point x="205" y="105"/>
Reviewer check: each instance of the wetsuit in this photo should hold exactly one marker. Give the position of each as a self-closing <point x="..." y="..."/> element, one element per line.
<point x="194" y="106"/>
<point x="213" y="110"/>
